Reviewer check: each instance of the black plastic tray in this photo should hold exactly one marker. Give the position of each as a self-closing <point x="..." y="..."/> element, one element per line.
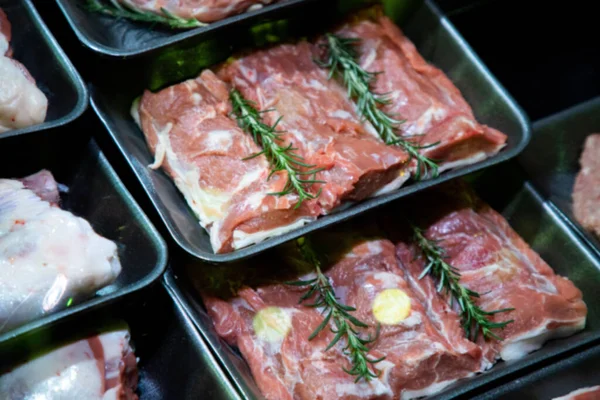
<point x="174" y="361"/>
<point x="35" y="47"/>
<point x="124" y="38"/>
<point x="526" y="211"/>
<point x="436" y="39"/>
<point x="95" y="193"/>
<point x="552" y="158"/>
<point x="559" y="379"/>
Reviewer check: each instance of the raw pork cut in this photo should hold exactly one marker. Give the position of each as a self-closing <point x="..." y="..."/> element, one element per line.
<point x="271" y="330"/>
<point x="589" y="393"/>
<point x="102" y="367"/>
<point x="586" y="192"/>
<point x="497" y="263"/>
<point x="22" y="104"/>
<point x="49" y="258"/>
<point x="422" y="95"/>
<point x="319" y="120"/>
<point x="202" y="10"/>
<point x="187" y="126"/>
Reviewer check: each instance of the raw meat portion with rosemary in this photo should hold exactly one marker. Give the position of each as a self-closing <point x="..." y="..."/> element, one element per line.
<point x="319" y="120"/>
<point x="435" y="115"/>
<point x="270" y="325"/>
<point x="494" y="261"/>
<point x="22" y="103"/>
<point x="189" y="128"/>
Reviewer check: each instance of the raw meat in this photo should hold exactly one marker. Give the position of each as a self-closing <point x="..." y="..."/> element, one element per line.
<point x="422" y="95"/>
<point x="202" y="10"/>
<point x="586" y="192"/>
<point x="271" y="330"/>
<point x="188" y="128"/>
<point x="319" y="120"/>
<point x="102" y="367"/>
<point x="22" y="104"/>
<point x="49" y="258"/>
<point x="497" y="263"/>
<point x="589" y="393"/>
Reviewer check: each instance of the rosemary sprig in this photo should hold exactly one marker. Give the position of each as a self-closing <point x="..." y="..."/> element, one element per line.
<point x="116" y="9"/>
<point x="346" y="324"/>
<point x="300" y="176"/>
<point x="342" y="61"/>
<point x="474" y="319"/>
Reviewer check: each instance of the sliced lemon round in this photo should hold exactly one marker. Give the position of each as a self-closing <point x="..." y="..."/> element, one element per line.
<point x="391" y="306"/>
<point x="272" y="324"/>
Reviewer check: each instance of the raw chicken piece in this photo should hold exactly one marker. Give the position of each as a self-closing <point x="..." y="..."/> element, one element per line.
<point x="496" y="262"/>
<point x="22" y="104"/>
<point x="188" y="128"/>
<point x="586" y="192"/>
<point x="589" y="393"/>
<point x="102" y="367"/>
<point x="49" y="258"/>
<point x="202" y="10"/>
<point x="319" y="120"/>
<point x="422" y="95"/>
<point x="271" y="330"/>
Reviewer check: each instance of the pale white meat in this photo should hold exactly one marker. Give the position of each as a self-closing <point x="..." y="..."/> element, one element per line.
<point x="49" y="258"/>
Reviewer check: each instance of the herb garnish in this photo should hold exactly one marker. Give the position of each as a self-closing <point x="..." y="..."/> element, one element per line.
<point x="342" y="61"/>
<point x="282" y="158"/>
<point x="116" y="9"/>
<point x="474" y="319"/>
<point x="345" y="324"/>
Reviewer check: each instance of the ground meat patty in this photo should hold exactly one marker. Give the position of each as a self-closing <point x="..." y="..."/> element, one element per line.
<point x="586" y="193"/>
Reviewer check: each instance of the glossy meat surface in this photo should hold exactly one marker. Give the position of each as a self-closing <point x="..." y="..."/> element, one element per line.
<point x="420" y="359"/>
<point x="202" y="10"/>
<point x="422" y="94"/>
<point x="103" y="367"/>
<point x="587" y="393"/>
<point x="49" y="258"/>
<point x="586" y="192"/>
<point x="22" y="104"/>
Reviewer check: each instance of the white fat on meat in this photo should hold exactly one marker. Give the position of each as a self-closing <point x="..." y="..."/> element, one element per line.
<point x="48" y="257"/>
<point x="580" y="392"/>
<point x="22" y="103"/>
<point x="242" y="239"/>
<point x="80" y="370"/>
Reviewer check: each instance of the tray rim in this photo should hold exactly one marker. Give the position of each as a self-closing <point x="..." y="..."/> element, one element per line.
<point x="178" y="37"/>
<point x="154" y="238"/>
<point x="355" y="209"/>
<point x="485" y="381"/>
<point x="66" y="64"/>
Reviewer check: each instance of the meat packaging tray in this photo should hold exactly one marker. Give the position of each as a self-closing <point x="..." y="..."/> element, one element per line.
<point x="174" y="362"/>
<point x="124" y="38"/>
<point x="96" y="194"/>
<point x="552" y="158"/>
<point x="35" y="47"/>
<point x="532" y="218"/>
<point x="432" y="33"/>
<point x="576" y="372"/>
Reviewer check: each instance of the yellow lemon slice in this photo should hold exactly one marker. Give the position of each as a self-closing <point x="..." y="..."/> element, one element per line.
<point x="271" y="324"/>
<point x="391" y="306"/>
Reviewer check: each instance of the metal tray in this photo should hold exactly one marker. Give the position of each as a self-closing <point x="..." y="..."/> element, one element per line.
<point x="124" y="38"/>
<point x="559" y="379"/>
<point x="35" y="47"/>
<point x="552" y="158"/>
<point x="436" y="39"/>
<point x="97" y="194"/>
<point x="174" y="361"/>
<point x="531" y="217"/>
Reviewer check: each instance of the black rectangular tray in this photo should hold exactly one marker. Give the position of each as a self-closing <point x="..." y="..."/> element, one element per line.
<point x="573" y="373"/>
<point x="531" y="217"/>
<point x="95" y="193"/>
<point x="35" y="47"/>
<point x="552" y="158"/>
<point x="124" y="38"/>
<point x="174" y="361"/>
<point x="435" y="38"/>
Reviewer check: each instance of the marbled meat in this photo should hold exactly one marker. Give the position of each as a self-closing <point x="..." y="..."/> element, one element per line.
<point x="586" y="192"/>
